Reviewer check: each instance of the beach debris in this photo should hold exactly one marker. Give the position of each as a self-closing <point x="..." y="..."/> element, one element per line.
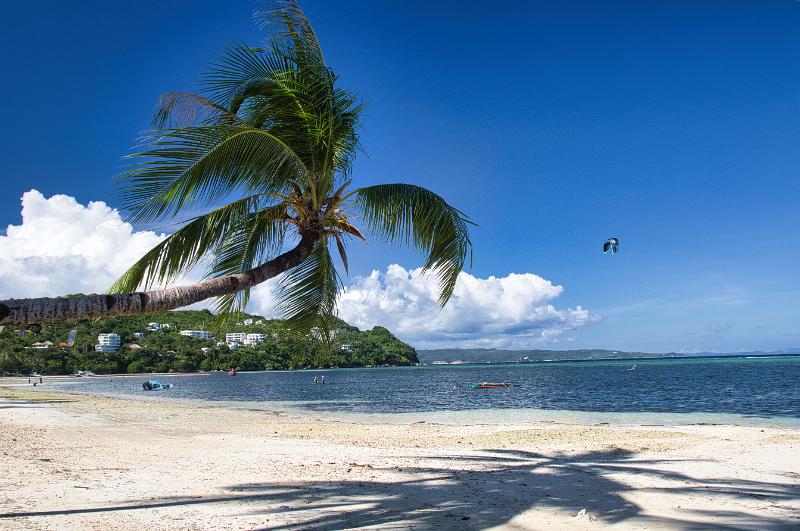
<point x="584" y="514"/>
<point x="611" y="244"/>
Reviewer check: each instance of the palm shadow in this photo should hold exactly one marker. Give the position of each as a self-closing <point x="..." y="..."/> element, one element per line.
<point x="486" y="489"/>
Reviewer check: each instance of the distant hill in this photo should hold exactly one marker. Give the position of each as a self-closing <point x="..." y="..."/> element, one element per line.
<point x="490" y="355"/>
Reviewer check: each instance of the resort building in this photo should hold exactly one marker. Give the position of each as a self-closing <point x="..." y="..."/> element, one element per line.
<point x="138" y="335"/>
<point x="247" y="322"/>
<point x="196" y="334"/>
<point x="42" y="346"/>
<point x="239" y="337"/>
<point x="233" y="345"/>
<point x="154" y="327"/>
<point x="251" y="340"/>
<point x="346" y="348"/>
<point x="108" y="343"/>
<point x="316" y="334"/>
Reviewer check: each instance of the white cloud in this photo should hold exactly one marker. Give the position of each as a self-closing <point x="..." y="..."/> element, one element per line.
<point x="262" y="299"/>
<point x="514" y="311"/>
<point x="64" y="247"/>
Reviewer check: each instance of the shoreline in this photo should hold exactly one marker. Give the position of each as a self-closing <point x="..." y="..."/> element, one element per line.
<point x="76" y="461"/>
<point x="487" y="417"/>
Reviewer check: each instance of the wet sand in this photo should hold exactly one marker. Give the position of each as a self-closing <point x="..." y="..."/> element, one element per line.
<point x="88" y="462"/>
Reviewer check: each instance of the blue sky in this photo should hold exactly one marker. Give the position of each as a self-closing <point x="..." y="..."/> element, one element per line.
<point x="672" y="125"/>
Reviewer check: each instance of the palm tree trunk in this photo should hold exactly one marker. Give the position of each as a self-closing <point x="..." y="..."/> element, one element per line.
<point x="29" y="311"/>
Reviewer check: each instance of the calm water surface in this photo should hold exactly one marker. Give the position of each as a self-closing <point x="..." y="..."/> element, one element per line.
<point x="732" y="390"/>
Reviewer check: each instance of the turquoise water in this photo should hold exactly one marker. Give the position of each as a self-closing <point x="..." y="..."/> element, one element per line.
<point x="665" y="391"/>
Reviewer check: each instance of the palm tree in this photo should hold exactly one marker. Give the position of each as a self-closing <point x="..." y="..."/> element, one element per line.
<point x="272" y="134"/>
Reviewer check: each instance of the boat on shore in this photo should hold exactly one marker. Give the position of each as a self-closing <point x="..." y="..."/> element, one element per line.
<point x="155" y="385"/>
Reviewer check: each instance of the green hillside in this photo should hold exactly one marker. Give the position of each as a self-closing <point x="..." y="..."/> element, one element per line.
<point x="167" y="350"/>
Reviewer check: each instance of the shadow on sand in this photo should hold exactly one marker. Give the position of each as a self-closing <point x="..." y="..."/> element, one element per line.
<point x="491" y="487"/>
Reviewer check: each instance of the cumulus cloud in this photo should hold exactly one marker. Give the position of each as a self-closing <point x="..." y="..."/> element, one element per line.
<point x="262" y="299"/>
<point x="514" y="311"/>
<point x="64" y="247"/>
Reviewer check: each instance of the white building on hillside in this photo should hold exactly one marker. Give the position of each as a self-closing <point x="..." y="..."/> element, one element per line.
<point x="138" y="335"/>
<point x="197" y="334"/>
<point x="108" y="343"/>
<point x="251" y="340"/>
<point x="42" y="346"/>
<point x="316" y="334"/>
<point x="154" y="327"/>
<point x="239" y="337"/>
<point x="247" y="322"/>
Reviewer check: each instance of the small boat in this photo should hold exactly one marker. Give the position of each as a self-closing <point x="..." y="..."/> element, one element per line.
<point x="491" y="385"/>
<point x="155" y="385"/>
<point x="232" y="372"/>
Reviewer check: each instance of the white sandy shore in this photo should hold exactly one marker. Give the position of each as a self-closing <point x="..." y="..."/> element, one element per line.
<point x="85" y="462"/>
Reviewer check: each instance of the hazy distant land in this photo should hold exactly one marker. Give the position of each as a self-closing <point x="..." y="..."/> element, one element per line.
<point x="490" y="355"/>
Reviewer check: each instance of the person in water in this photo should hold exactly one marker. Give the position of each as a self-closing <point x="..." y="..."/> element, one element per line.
<point x="315" y="379"/>
<point x="322" y="379"/>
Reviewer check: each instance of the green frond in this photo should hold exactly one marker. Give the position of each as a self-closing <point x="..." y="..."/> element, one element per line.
<point x="199" y="165"/>
<point x="293" y="24"/>
<point x="190" y="244"/>
<point x="307" y="293"/>
<point x="228" y="306"/>
<point x="259" y="236"/>
<point x="413" y="215"/>
<point x="287" y="90"/>
<point x="239" y="72"/>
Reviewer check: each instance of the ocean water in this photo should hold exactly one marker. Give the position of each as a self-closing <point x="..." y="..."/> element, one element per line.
<point x="759" y="391"/>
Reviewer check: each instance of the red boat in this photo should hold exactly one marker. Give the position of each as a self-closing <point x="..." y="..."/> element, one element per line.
<point x="491" y="385"/>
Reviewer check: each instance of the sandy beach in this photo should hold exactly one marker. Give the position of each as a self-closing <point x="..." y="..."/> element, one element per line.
<point x="87" y="462"/>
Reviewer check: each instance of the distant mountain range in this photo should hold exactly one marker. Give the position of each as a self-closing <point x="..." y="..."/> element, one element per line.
<point x="490" y="355"/>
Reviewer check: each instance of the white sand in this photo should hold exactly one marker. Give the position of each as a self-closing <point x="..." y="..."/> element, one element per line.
<point x="82" y="462"/>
